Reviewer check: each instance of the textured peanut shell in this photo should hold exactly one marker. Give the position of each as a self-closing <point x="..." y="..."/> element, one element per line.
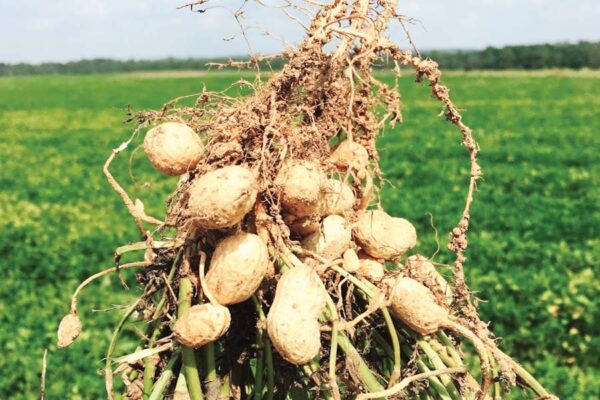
<point x="202" y="324"/>
<point x="68" y="330"/>
<point x="422" y="270"/>
<point x="351" y="262"/>
<point x="382" y="236"/>
<point x="337" y="198"/>
<point x="332" y="240"/>
<point x="370" y="268"/>
<point x="173" y="148"/>
<point x="300" y="185"/>
<point x="415" y="305"/>
<point x="221" y="198"/>
<point x="292" y="321"/>
<point x="238" y="266"/>
<point x="349" y="154"/>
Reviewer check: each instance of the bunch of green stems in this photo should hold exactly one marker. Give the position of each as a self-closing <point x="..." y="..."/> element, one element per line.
<point x="187" y="373"/>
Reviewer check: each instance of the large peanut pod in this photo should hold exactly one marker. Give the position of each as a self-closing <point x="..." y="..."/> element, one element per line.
<point x="221" y="198"/>
<point x="300" y="184"/>
<point x="337" y="197"/>
<point x="422" y="270"/>
<point x="292" y="321"/>
<point x="382" y="236"/>
<point x="333" y="238"/>
<point x="238" y="266"/>
<point x="202" y="324"/>
<point x="173" y="148"/>
<point x="415" y="305"/>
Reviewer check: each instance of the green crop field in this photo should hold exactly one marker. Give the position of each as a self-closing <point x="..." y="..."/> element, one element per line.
<point x="534" y="254"/>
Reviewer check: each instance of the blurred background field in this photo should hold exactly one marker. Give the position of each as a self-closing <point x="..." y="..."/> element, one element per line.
<point x="534" y="252"/>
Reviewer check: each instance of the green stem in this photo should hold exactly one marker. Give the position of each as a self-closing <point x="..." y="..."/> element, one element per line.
<point x="335" y="390"/>
<point x="149" y="372"/>
<point x="134" y="373"/>
<point x="259" y="371"/>
<point x="450" y="347"/>
<point x="270" y="369"/>
<point x="164" y="379"/>
<point x="310" y="370"/>
<point x="163" y="298"/>
<point x="190" y="369"/>
<point x="362" y="368"/>
<point x="260" y="356"/>
<point x="155" y="328"/>
<point x="385" y="346"/>
<point x="369" y="290"/>
<point x="211" y="382"/>
<point x="156" y="244"/>
<point x="435" y="384"/>
<point x="471" y="385"/>
<point x="442" y="353"/>
<point x="424" y="396"/>
<point x="181" y="391"/>
<point x="113" y="344"/>
<point x="225" y="391"/>
<point x="395" y="375"/>
<point x="527" y="378"/>
<point x="437" y="363"/>
<point x="267" y="350"/>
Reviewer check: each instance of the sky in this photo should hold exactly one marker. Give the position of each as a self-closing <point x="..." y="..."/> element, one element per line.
<point x="64" y="30"/>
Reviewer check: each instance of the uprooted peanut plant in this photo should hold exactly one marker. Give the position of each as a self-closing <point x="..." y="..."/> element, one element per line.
<point x="275" y="273"/>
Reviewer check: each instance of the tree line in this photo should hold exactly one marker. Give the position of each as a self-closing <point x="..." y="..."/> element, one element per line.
<point x="561" y="55"/>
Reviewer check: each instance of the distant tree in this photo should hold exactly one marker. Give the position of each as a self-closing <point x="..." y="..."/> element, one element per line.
<point x="560" y="55"/>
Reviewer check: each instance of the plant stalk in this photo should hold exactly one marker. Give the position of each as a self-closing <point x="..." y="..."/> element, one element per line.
<point x="181" y="390"/>
<point x="190" y="369"/>
<point x="267" y="350"/>
<point x="111" y="348"/>
<point x="437" y="363"/>
<point x="155" y="328"/>
<point x="396" y="371"/>
<point x="164" y="379"/>
<point x="335" y="390"/>
<point x="211" y="382"/>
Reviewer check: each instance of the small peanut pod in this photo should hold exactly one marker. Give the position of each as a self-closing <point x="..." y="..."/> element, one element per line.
<point x="238" y="266"/>
<point x="300" y="185"/>
<point x="351" y="262"/>
<point x="382" y="236"/>
<point x="332" y="240"/>
<point x="173" y="148"/>
<point x="292" y="321"/>
<point x="68" y="330"/>
<point x="202" y="324"/>
<point x="221" y="198"/>
<point x="370" y="268"/>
